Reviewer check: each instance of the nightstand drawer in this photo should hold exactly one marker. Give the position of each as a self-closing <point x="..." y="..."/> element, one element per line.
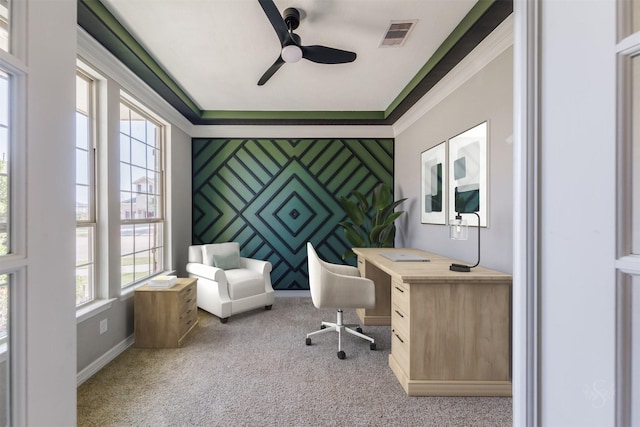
<point x="400" y="295"/>
<point x="187" y="297"/>
<point x="187" y="319"/>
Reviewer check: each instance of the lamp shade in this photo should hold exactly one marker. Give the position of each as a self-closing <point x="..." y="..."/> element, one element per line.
<point x="458" y="229"/>
<point x="291" y="53"/>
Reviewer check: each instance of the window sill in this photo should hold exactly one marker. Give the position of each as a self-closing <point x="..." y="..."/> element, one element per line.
<point x="629" y="264"/>
<point x="93" y="309"/>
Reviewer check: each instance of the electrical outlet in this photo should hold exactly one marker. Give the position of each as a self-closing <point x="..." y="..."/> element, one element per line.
<point x="103" y="326"/>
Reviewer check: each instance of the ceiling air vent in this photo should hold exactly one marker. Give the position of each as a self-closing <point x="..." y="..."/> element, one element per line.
<point x="397" y="33"/>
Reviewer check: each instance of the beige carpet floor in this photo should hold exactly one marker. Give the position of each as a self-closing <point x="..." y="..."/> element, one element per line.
<point x="256" y="370"/>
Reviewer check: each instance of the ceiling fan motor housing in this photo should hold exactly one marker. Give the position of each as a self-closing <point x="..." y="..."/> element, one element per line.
<point x="291" y="17"/>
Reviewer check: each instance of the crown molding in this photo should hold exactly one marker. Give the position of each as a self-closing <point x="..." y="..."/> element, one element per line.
<point x="488" y="50"/>
<point x="96" y="56"/>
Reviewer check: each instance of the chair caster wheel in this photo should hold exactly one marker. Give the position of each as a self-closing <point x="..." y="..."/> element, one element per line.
<point x="341" y="354"/>
<point x="359" y="329"/>
<point x="268" y="307"/>
<point x="372" y="346"/>
<point x="308" y="342"/>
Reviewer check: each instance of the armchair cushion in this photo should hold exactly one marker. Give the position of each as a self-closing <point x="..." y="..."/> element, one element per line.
<point x="220" y="250"/>
<point x="244" y="283"/>
<point x="227" y="261"/>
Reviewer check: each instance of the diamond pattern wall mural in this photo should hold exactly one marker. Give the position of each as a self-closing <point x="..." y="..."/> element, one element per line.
<point x="274" y="195"/>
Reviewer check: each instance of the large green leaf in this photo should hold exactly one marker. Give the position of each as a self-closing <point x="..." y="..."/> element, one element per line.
<point x="381" y="196"/>
<point x="364" y="205"/>
<point x="389" y="209"/>
<point x="391" y="218"/>
<point x="387" y="236"/>
<point x="354" y="236"/>
<point x="353" y="210"/>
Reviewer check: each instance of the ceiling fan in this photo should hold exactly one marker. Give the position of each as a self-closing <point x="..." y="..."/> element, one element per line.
<point x="292" y="49"/>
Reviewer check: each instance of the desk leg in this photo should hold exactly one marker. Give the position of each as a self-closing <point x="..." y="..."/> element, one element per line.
<point x="381" y="313"/>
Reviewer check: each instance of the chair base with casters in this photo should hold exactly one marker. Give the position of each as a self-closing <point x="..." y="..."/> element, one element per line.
<point x="340" y="328"/>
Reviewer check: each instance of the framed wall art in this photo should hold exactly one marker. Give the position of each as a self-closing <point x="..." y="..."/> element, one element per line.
<point x="468" y="172"/>
<point x="433" y="189"/>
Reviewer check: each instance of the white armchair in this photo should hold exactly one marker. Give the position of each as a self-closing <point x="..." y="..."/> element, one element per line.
<point x="228" y="283"/>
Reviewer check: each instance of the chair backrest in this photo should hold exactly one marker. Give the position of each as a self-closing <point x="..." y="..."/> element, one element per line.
<point x="203" y="254"/>
<point x="195" y="254"/>
<point x="315" y="274"/>
<point x="338" y="286"/>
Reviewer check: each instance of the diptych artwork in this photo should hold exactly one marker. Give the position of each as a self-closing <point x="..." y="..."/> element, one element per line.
<point x="454" y="177"/>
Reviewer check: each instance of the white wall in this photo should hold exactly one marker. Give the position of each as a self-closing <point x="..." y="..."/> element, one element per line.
<point x="577" y="213"/>
<point x="487" y="96"/>
<point x="50" y="220"/>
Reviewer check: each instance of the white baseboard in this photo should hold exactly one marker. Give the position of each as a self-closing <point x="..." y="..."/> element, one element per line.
<point x="293" y="293"/>
<point x="103" y="360"/>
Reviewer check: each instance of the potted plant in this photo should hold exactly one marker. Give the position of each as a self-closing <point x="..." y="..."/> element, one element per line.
<point x="371" y="224"/>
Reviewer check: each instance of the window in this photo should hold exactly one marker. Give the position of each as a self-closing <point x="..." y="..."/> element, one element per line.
<point x="85" y="191"/>
<point x="141" y="195"/>
<point x="4" y="164"/>
<point x="5" y="247"/>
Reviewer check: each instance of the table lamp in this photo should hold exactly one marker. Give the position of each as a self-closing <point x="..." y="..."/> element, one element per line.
<point x="459" y="230"/>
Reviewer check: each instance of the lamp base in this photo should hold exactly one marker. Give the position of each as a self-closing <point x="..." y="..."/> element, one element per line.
<point x="459" y="267"/>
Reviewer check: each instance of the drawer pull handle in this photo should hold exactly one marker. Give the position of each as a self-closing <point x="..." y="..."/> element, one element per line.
<point x="189" y="322"/>
<point x="399" y="290"/>
<point x="399" y="314"/>
<point x="189" y="300"/>
<point x="398" y="336"/>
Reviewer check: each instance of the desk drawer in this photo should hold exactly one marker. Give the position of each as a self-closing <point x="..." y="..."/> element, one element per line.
<point x="361" y="266"/>
<point x="400" y="295"/>
<point x="400" y="348"/>
<point x="399" y="320"/>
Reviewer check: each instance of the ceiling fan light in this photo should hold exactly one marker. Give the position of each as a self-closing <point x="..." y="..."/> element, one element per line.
<point x="291" y="53"/>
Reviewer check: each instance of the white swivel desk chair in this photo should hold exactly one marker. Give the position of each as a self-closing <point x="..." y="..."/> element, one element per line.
<point x="338" y="286"/>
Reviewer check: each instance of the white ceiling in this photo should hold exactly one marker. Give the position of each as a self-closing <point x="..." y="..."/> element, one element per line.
<point x="216" y="50"/>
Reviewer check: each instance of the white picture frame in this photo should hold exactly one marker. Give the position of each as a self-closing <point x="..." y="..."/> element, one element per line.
<point x="433" y="200"/>
<point x="467" y="163"/>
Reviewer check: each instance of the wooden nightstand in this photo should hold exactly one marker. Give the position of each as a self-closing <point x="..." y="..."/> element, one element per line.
<point x="164" y="317"/>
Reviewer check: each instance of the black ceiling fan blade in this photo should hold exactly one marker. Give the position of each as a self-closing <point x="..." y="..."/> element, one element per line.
<point x="275" y="18"/>
<point x="327" y="55"/>
<point x="271" y="71"/>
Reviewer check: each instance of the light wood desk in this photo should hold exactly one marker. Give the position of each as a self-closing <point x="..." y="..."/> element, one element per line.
<point x="450" y="331"/>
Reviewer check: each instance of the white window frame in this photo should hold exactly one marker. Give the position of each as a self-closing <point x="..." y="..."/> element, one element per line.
<point x="91" y="223"/>
<point x="15" y="262"/>
<point x="627" y="262"/>
<point x="161" y="218"/>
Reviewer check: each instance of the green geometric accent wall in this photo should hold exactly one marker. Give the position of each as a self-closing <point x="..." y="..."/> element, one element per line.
<point x="274" y="195"/>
